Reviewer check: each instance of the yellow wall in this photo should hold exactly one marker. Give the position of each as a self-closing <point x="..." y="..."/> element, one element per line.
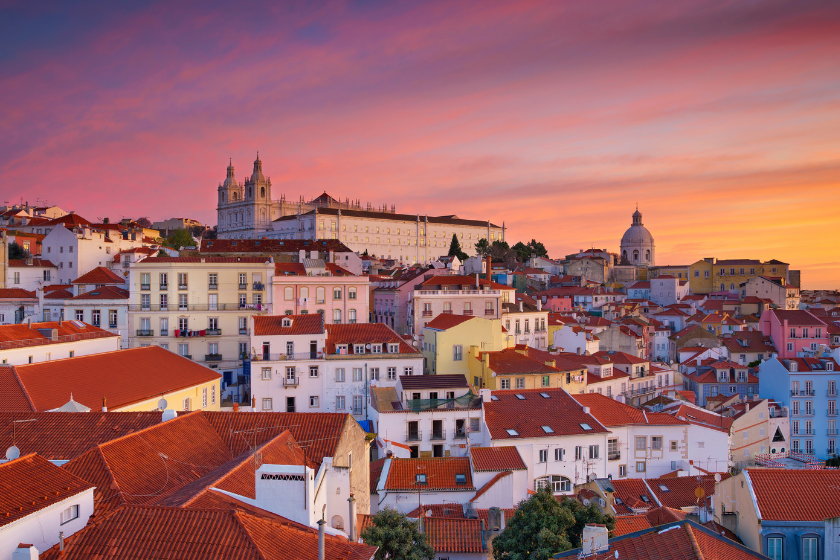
<point x="704" y="285"/>
<point x="481" y="369"/>
<point x="175" y="399"/>
<point x="485" y="334"/>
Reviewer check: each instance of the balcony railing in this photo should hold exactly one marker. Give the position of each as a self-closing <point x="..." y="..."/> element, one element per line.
<point x="832" y="431"/>
<point x="213" y="287"/>
<point x="831" y="393"/>
<point x="212" y="357"/>
<point x="831" y="412"/>
<point x="183" y="287"/>
<point x="807" y="432"/>
<point x="613" y="456"/>
<point x="213" y="332"/>
<point x="448" y="311"/>
<point x="243" y="285"/>
<point x="243" y="331"/>
<point x="489" y="312"/>
<point x="438" y="435"/>
<point x="460" y="434"/>
<point x="427" y="313"/>
<point x="199" y="307"/>
<point x="145" y="332"/>
<point x="187" y="356"/>
<point x="414" y="436"/>
<point x="259" y="286"/>
<point x="164" y="332"/>
<point x="164" y="286"/>
<point x="145" y="286"/>
<point x="802" y="393"/>
<point x="286" y="357"/>
<point x="291" y="381"/>
<point x="803" y="413"/>
<point x="468" y="311"/>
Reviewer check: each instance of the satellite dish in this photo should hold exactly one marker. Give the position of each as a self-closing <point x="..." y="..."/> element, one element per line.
<point x="162" y="404"/>
<point x="367" y="346"/>
<point x="12" y="453"/>
<point x="717" y="477"/>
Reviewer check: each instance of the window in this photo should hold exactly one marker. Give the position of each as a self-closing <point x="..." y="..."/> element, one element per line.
<point x="612" y="450"/>
<point x="641" y="443"/>
<point x="357" y="374"/>
<point x="266" y="404"/>
<point x="593" y="451"/>
<point x="520" y="382"/>
<point x="182" y="281"/>
<point x="204" y="398"/>
<point x="70" y="514"/>
<point x="392" y="373"/>
<point x="543" y="455"/>
<point x="266" y="373"/>
<point x="622" y="470"/>
<point x="112" y="319"/>
<point x="313" y="401"/>
<point x="457" y="353"/>
<point x="213" y="281"/>
<point x="337" y="316"/>
<point x="640" y="466"/>
<point x="558" y="483"/>
<point x="774" y="549"/>
<point x="505" y="383"/>
<point x="187" y="404"/>
<point x="558" y="454"/>
<point x="339" y="375"/>
<point x="351" y="293"/>
<point x="313" y="371"/>
<point x="408" y="371"/>
<point x="339" y="403"/>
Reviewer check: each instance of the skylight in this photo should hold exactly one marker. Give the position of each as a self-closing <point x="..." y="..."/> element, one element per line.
<point x="420" y="478"/>
<point x="512" y="432"/>
<point x="460" y="479"/>
<point x="645" y="498"/>
<point x="618" y="500"/>
<point x="663" y="488"/>
<point x="548" y="429"/>
<point x="586" y="426"/>
<point x="545" y="395"/>
<point x="494" y="398"/>
<point x="520" y="397"/>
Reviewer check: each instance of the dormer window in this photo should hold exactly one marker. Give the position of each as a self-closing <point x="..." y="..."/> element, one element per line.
<point x="375" y="348"/>
<point x="829" y="366"/>
<point x="393" y="348"/>
<point x="358" y="348"/>
<point x="793" y="366"/>
<point x="286" y="323"/>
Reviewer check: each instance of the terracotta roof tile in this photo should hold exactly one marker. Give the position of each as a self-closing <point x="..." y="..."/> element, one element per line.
<point x="460" y="282"/>
<point x="505" y="458"/>
<point x="446" y="321"/>
<point x="796" y="495"/>
<point x="454" y="535"/>
<point x="610" y="412"/>
<point x="440" y="474"/>
<point x="35" y="263"/>
<point x="365" y="333"/>
<point x="272" y="325"/>
<point x="31" y="483"/>
<point x="796" y="317"/>
<point x="103" y="292"/>
<point x="123" y="377"/>
<point x="633" y="495"/>
<point x="663" y="515"/>
<point x="679" y="492"/>
<point x="527" y="416"/>
<point x="630" y="524"/>
<point x="209" y="260"/>
<point x="99" y="275"/>
<point x="16" y="293"/>
<point x="451" y="511"/>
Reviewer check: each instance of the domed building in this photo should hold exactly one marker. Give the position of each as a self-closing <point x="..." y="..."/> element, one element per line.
<point x="637" y="245"/>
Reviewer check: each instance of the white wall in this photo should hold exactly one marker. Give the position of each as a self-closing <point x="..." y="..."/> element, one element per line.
<point x="59" y="350"/>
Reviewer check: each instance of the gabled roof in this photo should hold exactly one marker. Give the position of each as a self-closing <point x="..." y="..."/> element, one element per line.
<point x="495" y="459"/>
<point x="35" y="263"/>
<point x="171" y="532"/>
<point x="700" y="416"/>
<point x="454" y="535"/>
<point x="100" y="275"/>
<point x="31" y="483"/>
<point x="621" y="357"/>
<point x="796" y="317"/>
<point x="272" y="325"/>
<point x="68" y="220"/>
<point x="795" y="495"/>
<point x="679" y="492"/>
<point x="630" y="524"/>
<point x="526" y="416"/>
<point x="16" y="293"/>
<point x="365" y="333"/>
<point x="446" y="321"/>
<point x="104" y="292"/>
<point x="439" y="472"/>
<point x="122" y="377"/>
<point x="37" y="334"/>
<point x="610" y="412"/>
<point x="633" y="495"/>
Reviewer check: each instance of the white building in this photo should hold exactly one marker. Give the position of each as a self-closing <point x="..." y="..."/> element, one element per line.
<point x="526" y="322"/>
<point x="42" y="502"/>
<point x="434" y="415"/>
<point x="29" y="274"/>
<point x="575" y="339"/>
<point x="80" y="250"/>
<point x="53" y="340"/>
<point x="407" y="483"/>
<point x="16" y="304"/>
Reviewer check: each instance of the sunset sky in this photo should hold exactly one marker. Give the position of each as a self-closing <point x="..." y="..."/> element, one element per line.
<point x="721" y="119"/>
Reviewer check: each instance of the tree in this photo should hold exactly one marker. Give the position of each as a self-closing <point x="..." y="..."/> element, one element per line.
<point x="212" y="233"/>
<point x="455" y="249"/>
<point x="544" y="525"/>
<point x="17" y="252"/>
<point x="397" y="537"/>
<point x="144" y="222"/>
<point x="179" y="238"/>
<point x="537" y="248"/>
<point x="482" y="248"/>
<point x="523" y="252"/>
<point x="533" y="247"/>
<point x="197" y="231"/>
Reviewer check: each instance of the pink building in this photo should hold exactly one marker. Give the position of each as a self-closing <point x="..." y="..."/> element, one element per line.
<point x="318" y="287"/>
<point x="794" y="331"/>
<point x="391" y="295"/>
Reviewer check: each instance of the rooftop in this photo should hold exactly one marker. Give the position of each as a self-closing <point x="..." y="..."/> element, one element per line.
<point x="493" y="459"/>
<point x="37" y="334"/>
<point x="100" y="275"/>
<point x="610" y="412"/>
<point x="795" y="495"/>
<point x="430" y="474"/>
<point x="365" y="333"/>
<point x="288" y="325"/>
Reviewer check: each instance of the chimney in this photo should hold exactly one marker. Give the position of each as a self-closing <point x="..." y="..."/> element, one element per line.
<point x="168" y="414"/>
<point x="25" y="552"/>
<point x="321" y="554"/>
<point x="520" y="306"/>
<point x="332" y="257"/>
<point x="301" y="255"/>
<point x="104" y="408"/>
<point x="313" y="255"/>
<point x="351" y="526"/>
<point x="61" y="541"/>
<point x="595" y="539"/>
<point x="539" y="304"/>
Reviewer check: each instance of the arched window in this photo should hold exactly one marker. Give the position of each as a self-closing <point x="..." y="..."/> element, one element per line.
<point x="647" y="255"/>
<point x="320" y="295"/>
<point x="731" y="286"/>
<point x="262" y="192"/>
<point x="337" y="522"/>
<point x="558" y="483"/>
<point x="234" y="195"/>
<point x="289" y="293"/>
<point x="337" y="316"/>
<point x="262" y="215"/>
<point x="249" y="192"/>
<point x="635" y="256"/>
<point x="304" y="292"/>
<point x="723" y="287"/>
<point x="624" y="254"/>
<point x="351" y="293"/>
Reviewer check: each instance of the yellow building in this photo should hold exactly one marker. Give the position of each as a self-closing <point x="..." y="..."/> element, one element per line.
<point x="525" y="368"/>
<point x="123" y="380"/>
<point x="707" y="276"/>
<point x="198" y="307"/>
<point x="448" y="340"/>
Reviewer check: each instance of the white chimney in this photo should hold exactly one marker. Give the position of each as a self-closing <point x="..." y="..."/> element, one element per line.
<point x="351" y="526"/>
<point x="104" y="408"/>
<point x="520" y="306"/>
<point x="301" y="256"/>
<point x="539" y="304"/>
<point x="321" y="552"/>
<point x="168" y="414"/>
<point x="595" y="539"/>
<point x="25" y="552"/>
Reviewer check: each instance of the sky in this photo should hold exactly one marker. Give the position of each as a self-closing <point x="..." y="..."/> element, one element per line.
<point x="720" y="119"/>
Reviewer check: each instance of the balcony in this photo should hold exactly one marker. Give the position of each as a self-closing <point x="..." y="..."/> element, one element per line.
<point x="414" y="436"/>
<point x="212" y="357"/>
<point x="243" y="331"/>
<point x="164" y="332"/>
<point x="213" y="332"/>
<point x="802" y="393"/>
<point x="145" y="332"/>
<point x="145" y="286"/>
<point x="613" y="456"/>
<point x="831" y="393"/>
<point x="468" y="312"/>
<point x="831" y="412"/>
<point x="291" y="382"/>
<point x="427" y="313"/>
<point x="187" y="356"/>
<point x="460" y="434"/>
<point x="447" y="311"/>
<point x="164" y="286"/>
<point x="438" y="435"/>
<point x="807" y="432"/>
<point x="489" y="312"/>
<point x="212" y="286"/>
<point x="200" y="307"/>
<point x="243" y="285"/>
<point x="114" y="326"/>
<point x="183" y="287"/>
<point x="832" y="431"/>
<point x="259" y="286"/>
<point x="288" y="357"/>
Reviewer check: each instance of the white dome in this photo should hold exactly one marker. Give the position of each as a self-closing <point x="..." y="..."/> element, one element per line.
<point x="230" y="180"/>
<point x="637" y="244"/>
<point x="637" y="235"/>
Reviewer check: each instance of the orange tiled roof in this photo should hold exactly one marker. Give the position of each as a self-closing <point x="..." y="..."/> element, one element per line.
<point x="440" y="474"/>
<point x="505" y="458"/>
<point x="679" y="492"/>
<point x="446" y="321"/>
<point x="35" y="262"/>
<point x="630" y="524"/>
<point x="365" y="333"/>
<point x="104" y="292"/>
<point x="99" y="275"/>
<point x="22" y="335"/>
<point x="272" y="325"/>
<point x="796" y="495"/>
<point x="632" y="493"/>
<point x="123" y="377"/>
<point x="610" y="412"/>
<point x="158" y="532"/>
<point x="557" y="410"/>
<point x="16" y="293"/>
<point x="31" y="483"/>
<point x="454" y="535"/>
